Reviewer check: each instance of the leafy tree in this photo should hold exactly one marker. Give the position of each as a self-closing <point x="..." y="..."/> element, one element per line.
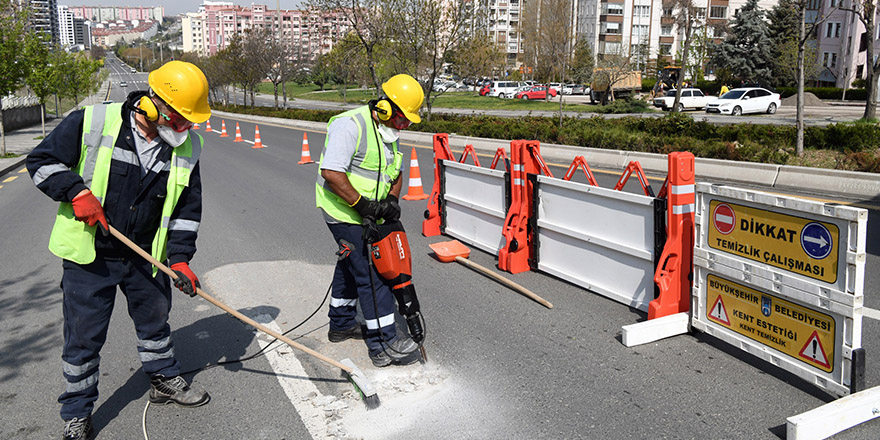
<point x="348" y="63"/>
<point x="13" y="66"/>
<point x="783" y="26"/>
<point x="747" y="51"/>
<point x="686" y="19"/>
<point x="42" y="77"/>
<point x="546" y="30"/>
<point x="581" y="68"/>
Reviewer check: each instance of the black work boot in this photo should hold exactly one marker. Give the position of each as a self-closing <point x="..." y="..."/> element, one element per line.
<point x="341" y="335"/>
<point x="78" y="428"/>
<point x="403" y="351"/>
<point x="176" y="390"/>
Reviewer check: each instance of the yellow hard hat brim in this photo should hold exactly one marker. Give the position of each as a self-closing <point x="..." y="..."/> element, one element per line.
<point x="413" y="117"/>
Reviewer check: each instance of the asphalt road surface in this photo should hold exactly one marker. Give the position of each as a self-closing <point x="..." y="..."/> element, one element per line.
<point x="500" y="365"/>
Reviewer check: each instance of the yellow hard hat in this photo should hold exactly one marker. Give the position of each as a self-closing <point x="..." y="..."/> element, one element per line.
<point x="405" y="92"/>
<point x="184" y="88"/>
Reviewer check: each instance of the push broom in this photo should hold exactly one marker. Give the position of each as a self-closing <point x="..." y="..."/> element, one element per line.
<point x="354" y="374"/>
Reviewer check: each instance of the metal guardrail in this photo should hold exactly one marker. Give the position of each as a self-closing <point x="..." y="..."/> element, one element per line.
<point x="17" y="102"/>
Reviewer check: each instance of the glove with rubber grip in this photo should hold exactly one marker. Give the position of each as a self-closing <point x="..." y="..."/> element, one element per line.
<point x="367" y="208"/>
<point x="87" y="209"/>
<point x="389" y="208"/>
<point x="186" y="281"/>
<point x="371" y="232"/>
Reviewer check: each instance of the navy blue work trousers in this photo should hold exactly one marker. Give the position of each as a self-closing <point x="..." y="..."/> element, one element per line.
<point x="89" y="294"/>
<point x="351" y="284"/>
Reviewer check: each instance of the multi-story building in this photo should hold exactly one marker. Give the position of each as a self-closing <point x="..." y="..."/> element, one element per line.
<point x="113" y="13"/>
<point x="503" y="26"/>
<point x="43" y="16"/>
<point x="107" y="35"/>
<point x="65" y="27"/>
<point x="630" y="27"/>
<point x="82" y="33"/>
<point x="308" y="33"/>
<point x="842" y="46"/>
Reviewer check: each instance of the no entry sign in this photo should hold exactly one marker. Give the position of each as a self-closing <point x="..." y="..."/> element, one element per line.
<point x="724" y="218"/>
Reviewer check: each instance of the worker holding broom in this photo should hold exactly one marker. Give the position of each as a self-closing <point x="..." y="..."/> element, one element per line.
<point x="359" y="181"/>
<point x="133" y="165"/>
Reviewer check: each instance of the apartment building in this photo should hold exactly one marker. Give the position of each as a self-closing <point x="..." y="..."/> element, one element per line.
<point x="308" y="33"/>
<point x="114" y="13"/>
<point x="502" y="22"/>
<point x="43" y="16"/>
<point x="74" y="33"/>
<point x="842" y="46"/>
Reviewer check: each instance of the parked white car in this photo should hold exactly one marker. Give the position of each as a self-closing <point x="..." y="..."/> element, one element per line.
<point x="745" y="100"/>
<point x="504" y="89"/>
<point x="690" y="98"/>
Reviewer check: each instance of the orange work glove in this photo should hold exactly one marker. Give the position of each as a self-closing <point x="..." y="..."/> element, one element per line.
<point x="186" y="281"/>
<point x="87" y="208"/>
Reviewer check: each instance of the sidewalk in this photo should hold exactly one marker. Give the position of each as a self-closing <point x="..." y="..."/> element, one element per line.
<point x="23" y="140"/>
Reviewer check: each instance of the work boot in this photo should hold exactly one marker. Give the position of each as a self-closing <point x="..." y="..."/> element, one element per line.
<point x="403" y="351"/>
<point x="341" y="335"/>
<point x="78" y="428"/>
<point x="175" y="390"/>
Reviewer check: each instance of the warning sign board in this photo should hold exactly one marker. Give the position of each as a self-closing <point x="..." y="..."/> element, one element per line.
<point x="796" y="244"/>
<point x="802" y="333"/>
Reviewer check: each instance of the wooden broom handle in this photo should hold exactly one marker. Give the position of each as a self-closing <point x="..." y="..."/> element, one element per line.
<point x="504" y="281"/>
<point x="225" y="307"/>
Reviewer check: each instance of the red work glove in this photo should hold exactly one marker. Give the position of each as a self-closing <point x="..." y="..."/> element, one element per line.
<point x="87" y="208"/>
<point x="186" y="280"/>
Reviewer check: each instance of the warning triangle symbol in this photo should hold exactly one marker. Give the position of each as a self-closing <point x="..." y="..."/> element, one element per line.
<point x="814" y="352"/>
<point x="719" y="313"/>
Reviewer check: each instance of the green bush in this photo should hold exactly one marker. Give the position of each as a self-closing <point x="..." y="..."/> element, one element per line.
<point x="671" y="132"/>
<point x="829" y="93"/>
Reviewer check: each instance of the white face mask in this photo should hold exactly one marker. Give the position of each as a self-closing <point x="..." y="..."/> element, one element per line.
<point x="172" y="137"/>
<point x="388" y="134"/>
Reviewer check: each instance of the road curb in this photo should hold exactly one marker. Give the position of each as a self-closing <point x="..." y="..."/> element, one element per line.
<point x="848" y="183"/>
<point x="14" y="163"/>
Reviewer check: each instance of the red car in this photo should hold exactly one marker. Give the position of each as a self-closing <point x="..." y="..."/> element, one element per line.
<point x="485" y="89"/>
<point x="536" y="92"/>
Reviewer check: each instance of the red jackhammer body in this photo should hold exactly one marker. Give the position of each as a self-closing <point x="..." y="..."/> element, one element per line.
<point x="392" y="260"/>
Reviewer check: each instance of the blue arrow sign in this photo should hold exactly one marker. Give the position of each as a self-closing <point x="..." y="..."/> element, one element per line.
<point x="816" y="240"/>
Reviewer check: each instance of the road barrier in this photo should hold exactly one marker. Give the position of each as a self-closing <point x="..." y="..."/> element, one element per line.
<point x="778" y="277"/>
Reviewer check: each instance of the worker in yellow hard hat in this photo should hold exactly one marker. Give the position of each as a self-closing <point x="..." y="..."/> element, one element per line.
<point x="134" y="165"/>
<point x="358" y="187"/>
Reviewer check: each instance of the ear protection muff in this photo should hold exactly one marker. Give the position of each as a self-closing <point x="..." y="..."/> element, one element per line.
<point x="384" y="109"/>
<point x="148" y="108"/>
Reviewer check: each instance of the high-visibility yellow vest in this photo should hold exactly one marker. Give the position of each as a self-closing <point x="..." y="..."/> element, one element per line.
<point x="74" y="240"/>
<point x="368" y="167"/>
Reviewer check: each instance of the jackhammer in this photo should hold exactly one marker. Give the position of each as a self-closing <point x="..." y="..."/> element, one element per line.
<point x="391" y="257"/>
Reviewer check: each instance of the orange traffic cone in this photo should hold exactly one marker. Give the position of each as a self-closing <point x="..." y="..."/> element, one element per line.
<point x="195" y="126"/>
<point x="237" y="134"/>
<point x="306" y="155"/>
<point x="208" y="125"/>
<point x="257" y="142"/>
<point x="223" y="133"/>
<point x="414" y="190"/>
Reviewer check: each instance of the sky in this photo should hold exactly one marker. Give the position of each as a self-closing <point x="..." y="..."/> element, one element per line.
<point x="174" y="7"/>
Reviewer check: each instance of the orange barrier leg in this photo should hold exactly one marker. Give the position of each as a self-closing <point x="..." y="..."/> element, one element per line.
<point x="514" y="255"/>
<point x="673" y="274"/>
<point x="414" y="187"/>
<point x="306" y="155"/>
<point x="433" y="223"/>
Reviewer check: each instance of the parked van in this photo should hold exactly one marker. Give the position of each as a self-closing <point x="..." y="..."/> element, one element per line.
<point x="504" y="89"/>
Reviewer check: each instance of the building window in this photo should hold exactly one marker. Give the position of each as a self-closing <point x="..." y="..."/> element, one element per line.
<point x="666" y="30"/>
<point x="665" y="49"/>
<point x="639" y="31"/>
<point x="701" y="13"/>
<point x="832" y="30"/>
<point x="834" y="3"/>
<point x="610" y="28"/>
<point x="829" y="59"/>
<point x="641" y="11"/>
<point x="613" y="9"/>
<point x="719" y="12"/>
<point x="667" y="12"/>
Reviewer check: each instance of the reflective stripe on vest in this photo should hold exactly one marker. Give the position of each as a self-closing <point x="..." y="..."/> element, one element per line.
<point x="74" y="240"/>
<point x="366" y="168"/>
